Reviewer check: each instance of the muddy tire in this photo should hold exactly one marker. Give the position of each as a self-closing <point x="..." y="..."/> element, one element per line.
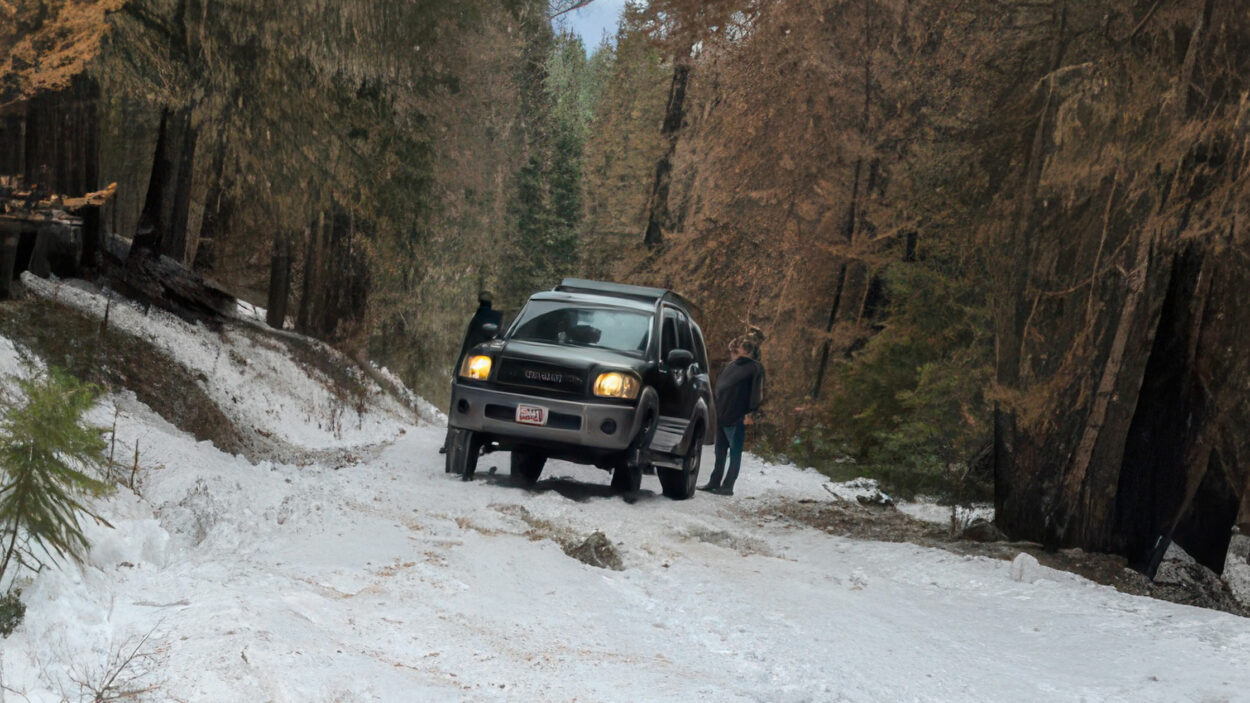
<point x="526" y="467"/>
<point x="462" y="452"/>
<point x="627" y="478"/>
<point x="679" y="484"/>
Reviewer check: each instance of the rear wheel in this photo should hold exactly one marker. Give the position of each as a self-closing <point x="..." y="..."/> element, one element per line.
<point x="527" y="466"/>
<point x="462" y="453"/>
<point x="679" y="484"/>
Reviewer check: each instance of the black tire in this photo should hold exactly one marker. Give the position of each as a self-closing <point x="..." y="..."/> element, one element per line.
<point x="627" y="474"/>
<point x="679" y="484"/>
<point x="627" y="478"/>
<point x="462" y="452"/>
<point x="526" y="467"/>
<point x="446" y="450"/>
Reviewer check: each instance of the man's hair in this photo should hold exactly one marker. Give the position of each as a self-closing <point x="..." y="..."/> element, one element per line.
<point x="485" y="297"/>
<point x="746" y="345"/>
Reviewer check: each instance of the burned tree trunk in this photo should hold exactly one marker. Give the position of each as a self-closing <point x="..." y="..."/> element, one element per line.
<point x="163" y="222"/>
<point x="658" y="217"/>
<point x="152" y="225"/>
<point x="149" y="275"/>
<point x="828" y="343"/>
<point x="335" y="289"/>
<point x="8" y="260"/>
<point x="1016" y="489"/>
<point x="1121" y="368"/>
<point x="279" y="281"/>
<point x="180" y="205"/>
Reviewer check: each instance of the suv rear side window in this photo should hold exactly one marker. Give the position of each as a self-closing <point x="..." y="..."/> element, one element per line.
<point x="683" y="333"/>
<point x="668" y="333"/>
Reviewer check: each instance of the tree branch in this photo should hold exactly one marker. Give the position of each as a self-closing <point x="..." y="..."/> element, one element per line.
<point x="563" y="7"/>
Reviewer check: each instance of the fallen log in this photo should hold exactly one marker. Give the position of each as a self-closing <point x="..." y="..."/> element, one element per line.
<point x="158" y="280"/>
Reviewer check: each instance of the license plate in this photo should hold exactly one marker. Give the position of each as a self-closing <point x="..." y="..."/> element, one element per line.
<point x="531" y="415"/>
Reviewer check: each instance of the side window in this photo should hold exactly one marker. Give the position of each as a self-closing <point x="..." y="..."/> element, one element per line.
<point x="700" y="349"/>
<point x="668" y="333"/>
<point x="683" y="334"/>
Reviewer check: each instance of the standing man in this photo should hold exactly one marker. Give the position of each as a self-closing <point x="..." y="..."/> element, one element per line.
<point x="474" y="336"/>
<point x="739" y="390"/>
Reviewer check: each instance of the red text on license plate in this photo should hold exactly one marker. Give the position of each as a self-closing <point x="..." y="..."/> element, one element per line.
<point x="531" y="415"/>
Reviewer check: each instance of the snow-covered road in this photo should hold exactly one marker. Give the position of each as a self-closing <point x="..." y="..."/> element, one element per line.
<point x="385" y="579"/>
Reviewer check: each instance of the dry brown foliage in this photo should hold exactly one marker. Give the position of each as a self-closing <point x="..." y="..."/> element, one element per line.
<point x="46" y="43"/>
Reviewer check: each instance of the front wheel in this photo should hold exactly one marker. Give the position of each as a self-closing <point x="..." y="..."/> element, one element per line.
<point x="627" y="474"/>
<point x="627" y="478"/>
<point x="679" y="484"/>
<point x="462" y="451"/>
<point x="527" y="467"/>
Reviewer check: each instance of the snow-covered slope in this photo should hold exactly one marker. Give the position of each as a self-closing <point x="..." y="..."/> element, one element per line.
<point x="377" y="577"/>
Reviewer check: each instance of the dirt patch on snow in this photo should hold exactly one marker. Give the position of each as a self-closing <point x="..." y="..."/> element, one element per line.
<point x="114" y="360"/>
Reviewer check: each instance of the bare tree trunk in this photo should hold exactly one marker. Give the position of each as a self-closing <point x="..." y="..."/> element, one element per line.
<point x="216" y="211"/>
<point x="313" y="281"/>
<point x="8" y="261"/>
<point x="151" y="227"/>
<point x="833" y="316"/>
<point x="1014" y="496"/>
<point x="180" y="205"/>
<point x="279" y="281"/>
<point x="1074" y="498"/>
<point x="658" y="216"/>
<point x="1185" y="90"/>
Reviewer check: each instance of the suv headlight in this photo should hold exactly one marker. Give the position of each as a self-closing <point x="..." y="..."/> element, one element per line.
<point x="614" y="384"/>
<point x="476" y="367"/>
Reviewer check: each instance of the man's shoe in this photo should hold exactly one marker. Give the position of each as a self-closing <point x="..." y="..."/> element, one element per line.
<point x="722" y="491"/>
<point x="709" y="488"/>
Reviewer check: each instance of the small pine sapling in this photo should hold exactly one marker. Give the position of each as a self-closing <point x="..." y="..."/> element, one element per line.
<point x="48" y="466"/>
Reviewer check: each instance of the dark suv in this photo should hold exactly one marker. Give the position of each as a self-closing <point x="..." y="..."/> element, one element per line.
<point x="596" y="373"/>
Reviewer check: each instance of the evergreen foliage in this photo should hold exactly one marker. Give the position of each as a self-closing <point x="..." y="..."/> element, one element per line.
<point x="47" y="458"/>
<point x="12" y="610"/>
<point x="911" y="407"/>
<point x="547" y="207"/>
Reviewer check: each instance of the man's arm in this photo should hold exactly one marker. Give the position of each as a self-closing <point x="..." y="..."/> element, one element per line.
<point x="757" y="388"/>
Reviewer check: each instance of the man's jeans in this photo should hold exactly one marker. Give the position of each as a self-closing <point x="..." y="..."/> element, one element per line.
<point x="729" y="440"/>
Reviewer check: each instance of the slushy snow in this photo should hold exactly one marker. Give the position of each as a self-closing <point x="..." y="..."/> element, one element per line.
<point x="378" y="577"/>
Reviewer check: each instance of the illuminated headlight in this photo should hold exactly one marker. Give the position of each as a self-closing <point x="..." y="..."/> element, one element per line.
<point x="476" y="367"/>
<point x="615" y="384"/>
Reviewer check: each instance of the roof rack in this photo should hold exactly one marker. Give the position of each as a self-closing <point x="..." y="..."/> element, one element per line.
<point x="621" y="290"/>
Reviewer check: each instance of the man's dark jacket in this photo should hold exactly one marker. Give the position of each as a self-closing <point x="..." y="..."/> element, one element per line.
<point x="739" y="390"/>
<point x="474" y="335"/>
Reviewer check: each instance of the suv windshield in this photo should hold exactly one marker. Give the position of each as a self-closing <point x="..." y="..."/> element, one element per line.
<point x="554" y="322"/>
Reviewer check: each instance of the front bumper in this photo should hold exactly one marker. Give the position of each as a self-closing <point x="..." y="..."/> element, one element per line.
<point x="570" y="422"/>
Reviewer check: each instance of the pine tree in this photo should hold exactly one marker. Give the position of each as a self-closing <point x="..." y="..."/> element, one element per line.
<point x="47" y="457"/>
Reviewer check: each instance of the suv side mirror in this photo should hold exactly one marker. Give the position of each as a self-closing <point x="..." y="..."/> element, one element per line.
<point x="490" y="329"/>
<point x="679" y="358"/>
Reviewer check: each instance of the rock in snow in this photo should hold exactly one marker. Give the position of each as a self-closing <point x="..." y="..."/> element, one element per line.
<point x="1025" y="568"/>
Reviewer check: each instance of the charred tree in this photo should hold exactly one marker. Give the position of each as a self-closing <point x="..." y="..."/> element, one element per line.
<point x="279" y="281"/>
<point x="1120" y="371"/>
<point x="176" y="243"/>
<point x="148" y="274"/>
<point x="1016" y="490"/>
<point x="658" y="215"/>
<point x="335" y="288"/>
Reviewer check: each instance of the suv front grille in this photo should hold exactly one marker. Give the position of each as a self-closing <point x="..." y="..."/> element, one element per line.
<point x="539" y="376"/>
